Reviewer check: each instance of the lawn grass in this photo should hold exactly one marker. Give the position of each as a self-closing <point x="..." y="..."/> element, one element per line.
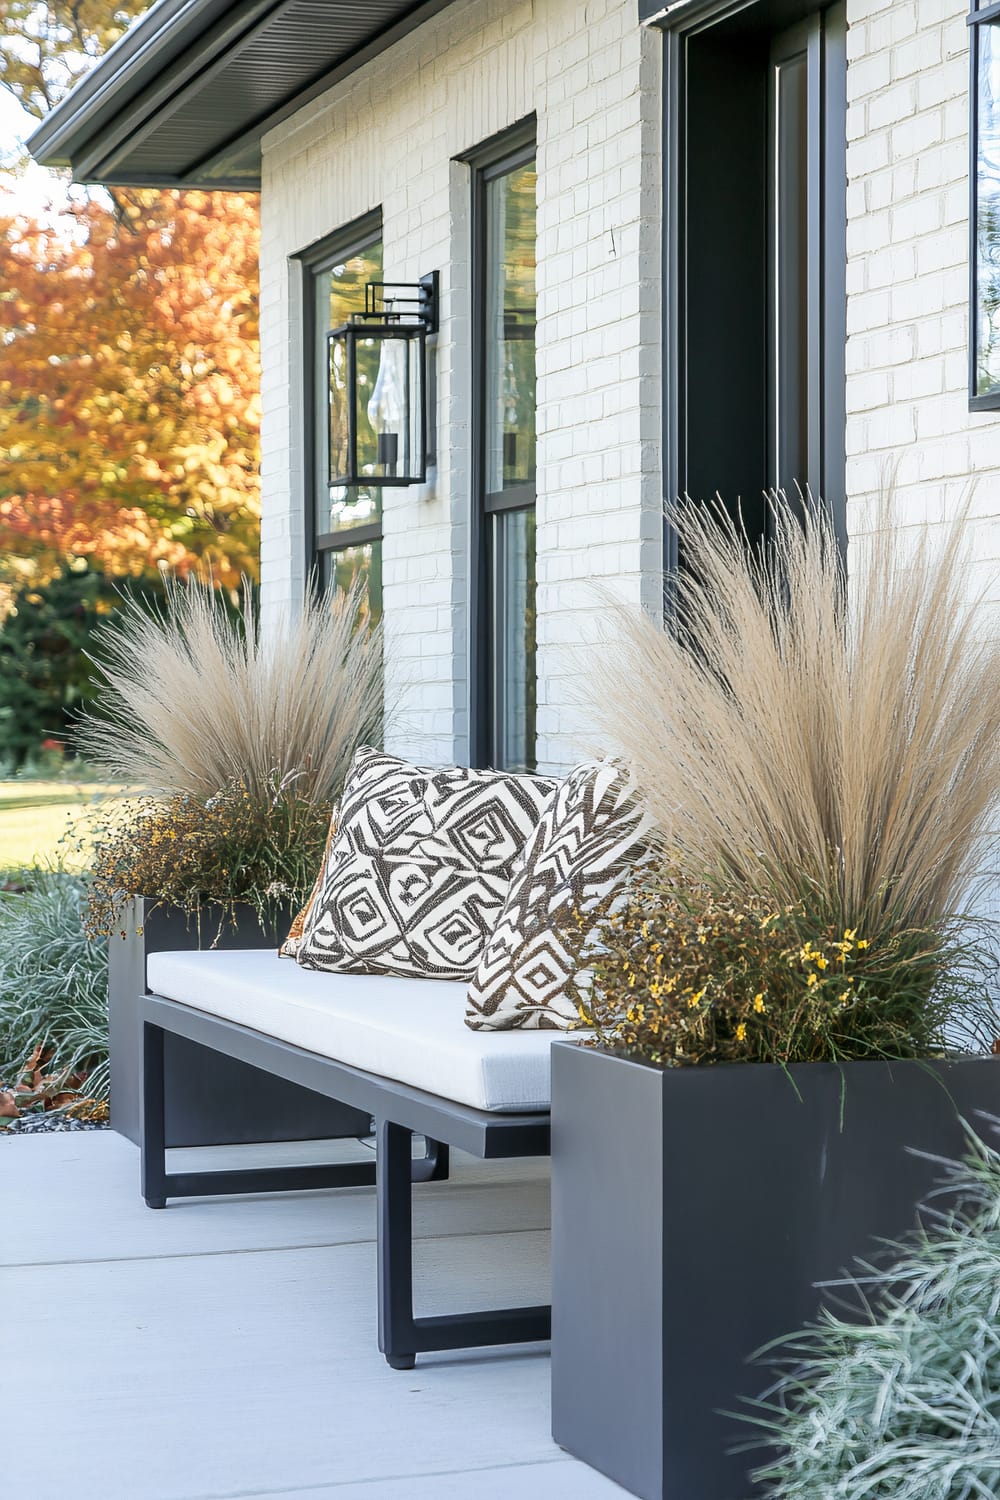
<point x="41" y="822"/>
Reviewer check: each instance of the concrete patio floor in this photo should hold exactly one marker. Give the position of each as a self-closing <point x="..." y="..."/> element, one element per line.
<point x="227" y="1348"/>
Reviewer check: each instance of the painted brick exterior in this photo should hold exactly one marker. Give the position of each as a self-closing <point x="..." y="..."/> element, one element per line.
<point x="388" y="137"/>
<point x="908" y="420"/>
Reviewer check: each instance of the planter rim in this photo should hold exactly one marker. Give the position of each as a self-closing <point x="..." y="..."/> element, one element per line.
<point x="949" y="1059"/>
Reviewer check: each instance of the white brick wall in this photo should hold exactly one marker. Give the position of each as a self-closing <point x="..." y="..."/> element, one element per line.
<point x="908" y="289"/>
<point x="387" y="137"/>
<point x="908" y="421"/>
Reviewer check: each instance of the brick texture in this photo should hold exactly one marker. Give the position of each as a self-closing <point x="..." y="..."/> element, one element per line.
<point x="908" y="423"/>
<point x="388" y="138"/>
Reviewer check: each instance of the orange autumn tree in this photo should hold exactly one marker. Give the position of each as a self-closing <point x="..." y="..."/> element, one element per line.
<point x="129" y="380"/>
<point x="129" y="366"/>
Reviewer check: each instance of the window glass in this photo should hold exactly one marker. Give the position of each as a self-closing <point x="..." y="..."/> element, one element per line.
<point x="339" y="292"/>
<point x="986" y="313"/>
<point x="790" y="231"/>
<point x="510" y="330"/>
<point x="344" y="565"/>
<point x="514" y="639"/>
<point x="506" y="717"/>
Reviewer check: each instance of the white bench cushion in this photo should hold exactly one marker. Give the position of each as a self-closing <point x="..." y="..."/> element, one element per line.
<point x="411" y="1030"/>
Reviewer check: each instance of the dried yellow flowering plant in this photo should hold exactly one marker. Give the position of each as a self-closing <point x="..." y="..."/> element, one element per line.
<point x="686" y="974"/>
<point x="236" y="847"/>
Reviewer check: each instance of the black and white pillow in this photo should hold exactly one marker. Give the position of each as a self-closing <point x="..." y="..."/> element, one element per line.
<point x="418" y="870"/>
<point x="591" y="837"/>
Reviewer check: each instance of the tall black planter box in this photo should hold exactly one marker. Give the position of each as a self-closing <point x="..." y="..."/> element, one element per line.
<point x="211" y="1099"/>
<point x="693" y="1212"/>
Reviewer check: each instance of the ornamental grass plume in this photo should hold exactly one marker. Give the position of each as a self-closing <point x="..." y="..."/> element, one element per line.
<point x="903" y="1402"/>
<point x="815" y="740"/>
<point x="197" y="700"/>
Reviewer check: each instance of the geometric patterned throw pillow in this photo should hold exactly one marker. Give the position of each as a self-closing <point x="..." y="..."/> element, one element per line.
<point x="592" y="836"/>
<point x="419" y="867"/>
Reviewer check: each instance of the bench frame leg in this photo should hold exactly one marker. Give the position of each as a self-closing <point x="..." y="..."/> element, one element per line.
<point x="401" y="1336"/>
<point x="158" y="1184"/>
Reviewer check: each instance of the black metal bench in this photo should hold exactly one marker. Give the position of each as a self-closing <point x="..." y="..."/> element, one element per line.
<point x="399" y="1112"/>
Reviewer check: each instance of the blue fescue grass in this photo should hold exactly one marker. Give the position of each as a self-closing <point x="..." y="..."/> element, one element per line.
<point x="905" y="1404"/>
<point x="53" y="979"/>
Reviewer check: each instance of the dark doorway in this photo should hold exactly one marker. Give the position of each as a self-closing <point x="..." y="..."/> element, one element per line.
<point x="756" y="179"/>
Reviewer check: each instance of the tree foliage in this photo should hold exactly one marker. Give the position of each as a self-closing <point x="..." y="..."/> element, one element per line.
<point x="45" y="676"/>
<point x="45" y="48"/>
<point x="129" y="362"/>
<point x="129" y="372"/>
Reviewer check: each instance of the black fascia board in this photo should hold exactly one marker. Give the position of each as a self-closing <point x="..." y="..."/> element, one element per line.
<point x="157" y="68"/>
<point x="109" y="160"/>
<point x="253" y="132"/>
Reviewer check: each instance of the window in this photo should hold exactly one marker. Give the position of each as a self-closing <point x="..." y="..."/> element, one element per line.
<point x="984" y="256"/>
<point x="345" y="525"/>
<point x="756" y="259"/>
<point x="504" y="673"/>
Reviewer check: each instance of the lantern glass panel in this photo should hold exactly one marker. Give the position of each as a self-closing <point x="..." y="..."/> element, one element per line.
<point x="389" y="408"/>
<point x="416" y="354"/>
<point x="340" y="431"/>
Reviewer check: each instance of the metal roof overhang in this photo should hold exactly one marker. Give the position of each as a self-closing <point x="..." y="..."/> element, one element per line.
<point x="183" y="99"/>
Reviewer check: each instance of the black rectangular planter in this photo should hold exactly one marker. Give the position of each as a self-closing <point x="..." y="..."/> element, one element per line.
<point x="210" y="1099"/>
<point x="693" y="1212"/>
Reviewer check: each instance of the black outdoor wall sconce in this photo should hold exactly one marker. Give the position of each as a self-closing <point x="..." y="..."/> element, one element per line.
<point x="381" y="411"/>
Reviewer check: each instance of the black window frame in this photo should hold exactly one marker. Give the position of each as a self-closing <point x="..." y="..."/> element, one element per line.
<point x="342" y="244"/>
<point x="827" y="415"/>
<point x="501" y="154"/>
<point x="985" y="15"/>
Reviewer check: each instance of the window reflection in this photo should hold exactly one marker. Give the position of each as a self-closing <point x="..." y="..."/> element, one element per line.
<point x="510" y="330"/>
<point x="340" y="292"/>
<point x="344" y="566"/>
<point x="987" y="310"/>
<point x="507" y="395"/>
<point x="514" y="636"/>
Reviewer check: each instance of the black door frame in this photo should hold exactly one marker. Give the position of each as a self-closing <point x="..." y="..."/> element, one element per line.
<point x="681" y="20"/>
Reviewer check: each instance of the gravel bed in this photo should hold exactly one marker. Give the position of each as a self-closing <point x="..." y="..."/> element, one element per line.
<point x="36" y="1124"/>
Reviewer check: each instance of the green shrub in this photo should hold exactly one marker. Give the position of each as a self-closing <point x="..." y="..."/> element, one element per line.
<point x="46" y="676"/>
<point x="53" y="981"/>
<point x="904" y="1405"/>
<point x="44" y="673"/>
